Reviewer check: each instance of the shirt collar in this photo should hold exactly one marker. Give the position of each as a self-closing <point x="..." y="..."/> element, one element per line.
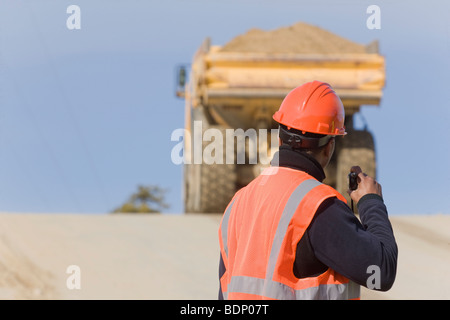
<point x="295" y="159"/>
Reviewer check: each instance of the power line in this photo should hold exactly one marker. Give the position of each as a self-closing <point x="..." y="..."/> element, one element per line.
<point x="18" y="161"/>
<point x="69" y="108"/>
<point x="23" y="102"/>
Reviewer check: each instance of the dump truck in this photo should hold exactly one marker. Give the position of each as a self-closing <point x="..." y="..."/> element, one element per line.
<point x="241" y="84"/>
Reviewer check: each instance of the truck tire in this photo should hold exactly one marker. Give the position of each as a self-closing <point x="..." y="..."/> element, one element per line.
<point x="356" y="148"/>
<point x="208" y="188"/>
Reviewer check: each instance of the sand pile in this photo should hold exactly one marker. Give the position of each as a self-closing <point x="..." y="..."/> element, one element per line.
<point x="299" y="38"/>
<point x="173" y="256"/>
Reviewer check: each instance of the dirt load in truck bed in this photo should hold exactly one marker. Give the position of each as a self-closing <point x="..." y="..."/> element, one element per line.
<point x="299" y="38"/>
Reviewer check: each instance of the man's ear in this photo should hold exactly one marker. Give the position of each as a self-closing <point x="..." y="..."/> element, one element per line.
<point x="329" y="148"/>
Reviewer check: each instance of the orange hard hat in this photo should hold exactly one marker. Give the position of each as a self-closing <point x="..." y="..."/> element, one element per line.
<point x="313" y="107"/>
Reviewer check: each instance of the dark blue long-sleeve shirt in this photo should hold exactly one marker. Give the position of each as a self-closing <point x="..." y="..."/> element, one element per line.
<point x="350" y="247"/>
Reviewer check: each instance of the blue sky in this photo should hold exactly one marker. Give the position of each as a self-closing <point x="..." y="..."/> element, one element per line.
<point x="86" y="115"/>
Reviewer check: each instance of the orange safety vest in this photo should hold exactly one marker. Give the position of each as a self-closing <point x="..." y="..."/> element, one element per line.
<point x="259" y="233"/>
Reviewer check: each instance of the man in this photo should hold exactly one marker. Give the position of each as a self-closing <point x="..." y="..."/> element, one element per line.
<point x="288" y="236"/>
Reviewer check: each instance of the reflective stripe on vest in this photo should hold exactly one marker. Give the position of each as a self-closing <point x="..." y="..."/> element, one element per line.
<point x="276" y="290"/>
<point x="226" y="217"/>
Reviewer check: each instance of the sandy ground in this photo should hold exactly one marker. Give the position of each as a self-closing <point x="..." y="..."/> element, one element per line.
<point x="172" y="257"/>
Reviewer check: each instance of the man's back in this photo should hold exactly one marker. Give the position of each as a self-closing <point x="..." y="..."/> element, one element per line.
<point x="260" y="231"/>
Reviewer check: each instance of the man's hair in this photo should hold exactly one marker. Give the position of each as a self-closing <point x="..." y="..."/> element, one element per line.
<point x="300" y="134"/>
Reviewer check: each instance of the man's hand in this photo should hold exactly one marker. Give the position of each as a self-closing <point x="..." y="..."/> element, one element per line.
<point x="366" y="185"/>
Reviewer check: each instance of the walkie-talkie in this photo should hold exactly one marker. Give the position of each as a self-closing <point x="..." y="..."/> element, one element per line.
<point x="352" y="184"/>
